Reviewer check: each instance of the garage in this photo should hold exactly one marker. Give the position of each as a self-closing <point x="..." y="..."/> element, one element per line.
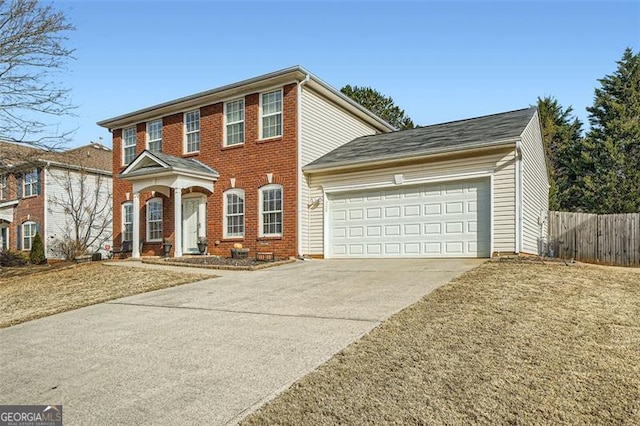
<point x="451" y="219"/>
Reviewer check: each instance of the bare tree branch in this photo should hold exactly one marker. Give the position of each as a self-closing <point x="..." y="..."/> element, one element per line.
<point x="33" y="57"/>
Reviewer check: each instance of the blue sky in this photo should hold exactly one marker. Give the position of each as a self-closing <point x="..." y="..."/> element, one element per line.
<point x="439" y="61"/>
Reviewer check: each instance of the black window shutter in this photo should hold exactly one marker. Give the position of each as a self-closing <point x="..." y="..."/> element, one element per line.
<point x="19" y="180"/>
<point x="19" y="240"/>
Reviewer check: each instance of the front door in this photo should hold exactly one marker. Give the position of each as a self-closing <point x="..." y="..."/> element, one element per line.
<point x="193" y="224"/>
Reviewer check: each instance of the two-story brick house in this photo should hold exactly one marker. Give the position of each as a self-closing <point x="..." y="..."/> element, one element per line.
<point x="38" y="189"/>
<point x="226" y="164"/>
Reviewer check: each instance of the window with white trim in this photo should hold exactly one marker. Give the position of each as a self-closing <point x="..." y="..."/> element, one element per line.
<point x="3" y="187"/>
<point x="271" y="111"/>
<point x="127" y="221"/>
<point x="234" y="119"/>
<point x="234" y="213"/>
<point x="154" y="135"/>
<point x="192" y="131"/>
<point x="128" y="145"/>
<point x="154" y="219"/>
<point x="29" y="230"/>
<point x="30" y="183"/>
<point x="271" y="211"/>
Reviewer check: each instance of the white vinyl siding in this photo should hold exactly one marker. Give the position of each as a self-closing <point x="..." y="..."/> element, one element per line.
<point x="501" y="165"/>
<point x="59" y="224"/>
<point x="128" y="145"/>
<point x="192" y="131"/>
<point x="324" y="126"/>
<point x="535" y="189"/>
<point x="154" y="136"/>
<point x="271" y="114"/>
<point x="234" y="122"/>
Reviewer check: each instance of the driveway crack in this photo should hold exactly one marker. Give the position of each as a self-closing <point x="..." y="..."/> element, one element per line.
<point x="235" y="311"/>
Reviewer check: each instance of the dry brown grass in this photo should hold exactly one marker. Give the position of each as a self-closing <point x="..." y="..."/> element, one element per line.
<point x="27" y="297"/>
<point x="506" y="343"/>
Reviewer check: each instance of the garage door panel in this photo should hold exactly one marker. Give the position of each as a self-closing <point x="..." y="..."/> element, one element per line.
<point x="441" y="220"/>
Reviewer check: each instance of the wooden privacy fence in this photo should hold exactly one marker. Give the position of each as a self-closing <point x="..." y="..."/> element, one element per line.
<point x="612" y="239"/>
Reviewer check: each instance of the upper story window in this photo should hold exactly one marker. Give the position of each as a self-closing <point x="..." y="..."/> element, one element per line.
<point x="154" y="135"/>
<point x="29" y="230"/>
<point x="271" y="211"/>
<point x="234" y="119"/>
<point x="234" y="213"/>
<point x="3" y="188"/>
<point x="154" y="219"/>
<point x="128" y="145"/>
<point x="271" y="114"/>
<point x="192" y="131"/>
<point x="127" y="221"/>
<point x="30" y="184"/>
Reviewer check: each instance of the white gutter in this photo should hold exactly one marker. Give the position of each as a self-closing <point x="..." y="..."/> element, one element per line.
<point x="299" y="166"/>
<point x="518" y="178"/>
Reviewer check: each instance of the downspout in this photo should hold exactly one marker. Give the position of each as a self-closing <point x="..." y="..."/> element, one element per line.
<point x="45" y="203"/>
<point x="519" y="203"/>
<point x="299" y="167"/>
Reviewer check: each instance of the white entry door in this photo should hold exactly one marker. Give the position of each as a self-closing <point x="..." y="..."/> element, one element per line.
<point x="436" y="220"/>
<point x="193" y="223"/>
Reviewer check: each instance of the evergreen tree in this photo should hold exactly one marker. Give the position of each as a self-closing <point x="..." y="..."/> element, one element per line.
<point x="36" y="255"/>
<point x="561" y="135"/>
<point x="610" y="155"/>
<point x="379" y="104"/>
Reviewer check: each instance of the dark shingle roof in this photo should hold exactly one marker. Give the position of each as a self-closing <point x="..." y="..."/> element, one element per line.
<point x="91" y="156"/>
<point x="174" y="163"/>
<point x="453" y="136"/>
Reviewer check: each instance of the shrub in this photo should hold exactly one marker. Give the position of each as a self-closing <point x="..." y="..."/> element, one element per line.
<point x="36" y="255"/>
<point x="12" y="259"/>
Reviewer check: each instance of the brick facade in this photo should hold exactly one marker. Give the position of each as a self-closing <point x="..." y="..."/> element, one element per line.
<point x="28" y="209"/>
<point x="248" y="163"/>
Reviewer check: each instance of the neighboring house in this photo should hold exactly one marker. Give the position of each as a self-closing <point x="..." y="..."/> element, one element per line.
<point x="56" y="194"/>
<point x="268" y="163"/>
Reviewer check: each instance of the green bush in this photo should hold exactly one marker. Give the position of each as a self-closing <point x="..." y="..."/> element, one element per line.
<point x="36" y="255"/>
<point x="12" y="258"/>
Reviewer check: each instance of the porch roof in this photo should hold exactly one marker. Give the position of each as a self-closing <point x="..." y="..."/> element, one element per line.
<point x="150" y="170"/>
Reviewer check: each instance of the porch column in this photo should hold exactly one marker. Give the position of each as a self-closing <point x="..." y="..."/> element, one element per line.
<point x="135" y="244"/>
<point x="177" y="215"/>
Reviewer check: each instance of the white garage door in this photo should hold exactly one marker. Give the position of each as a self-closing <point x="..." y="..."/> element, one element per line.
<point x="443" y="220"/>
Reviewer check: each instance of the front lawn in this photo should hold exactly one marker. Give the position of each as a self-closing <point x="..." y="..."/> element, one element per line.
<point x="33" y="292"/>
<point x="507" y="343"/>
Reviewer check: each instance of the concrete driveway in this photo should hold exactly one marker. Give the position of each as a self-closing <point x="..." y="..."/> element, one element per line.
<point x="209" y="352"/>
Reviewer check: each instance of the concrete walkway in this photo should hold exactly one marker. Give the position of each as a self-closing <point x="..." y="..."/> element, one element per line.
<point x="209" y="352"/>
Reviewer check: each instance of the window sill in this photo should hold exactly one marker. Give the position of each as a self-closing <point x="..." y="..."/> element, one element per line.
<point x="272" y="139"/>
<point x="238" y="145"/>
<point x="191" y="154"/>
<point x="269" y="238"/>
<point x="232" y="239"/>
<point x="152" y="241"/>
<point x="26" y="197"/>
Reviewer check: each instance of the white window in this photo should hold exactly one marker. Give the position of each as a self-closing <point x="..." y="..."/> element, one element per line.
<point x="154" y="219"/>
<point x="128" y="145"/>
<point x="30" y="184"/>
<point x="271" y="108"/>
<point x="29" y="230"/>
<point x="192" y="131"/>
<point x="271" y="210"/>
<point x="234" y="213"/>
<point x="127" y="221"/>
<point x="154" y="135"/>
<point x="234" y="119"/>
<point x="3" y="187"/>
